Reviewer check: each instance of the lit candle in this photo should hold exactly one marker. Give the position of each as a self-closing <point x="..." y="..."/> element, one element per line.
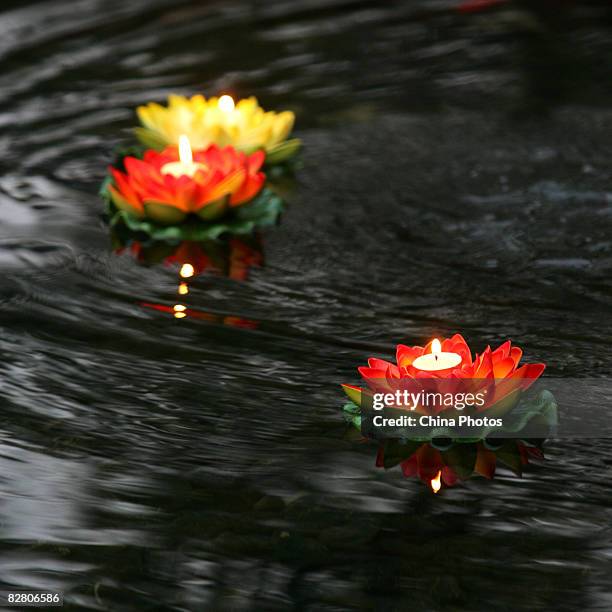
<point x="436" y="360"/>
<point x="186" y="166"/>
<point x="226" y="104"/>
<point x="228" y="107"/>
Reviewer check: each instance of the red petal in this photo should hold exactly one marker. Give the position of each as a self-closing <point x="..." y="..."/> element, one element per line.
<point x="405" y="355"/>
<point x="255" y="161"/>
<point x="372" y="372"/>
<point x="250" y="188"/>
<point x="516" y="353"/>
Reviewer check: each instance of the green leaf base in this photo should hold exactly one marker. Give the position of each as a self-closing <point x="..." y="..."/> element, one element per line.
<point x="263" y="211"/>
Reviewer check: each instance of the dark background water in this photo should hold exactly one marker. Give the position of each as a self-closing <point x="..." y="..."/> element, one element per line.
<point x="456" y="177"/>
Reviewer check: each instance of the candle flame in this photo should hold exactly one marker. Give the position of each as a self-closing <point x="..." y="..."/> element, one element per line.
<point x="185" y="154"/>
<point x="187" y="271"/>
<point x="436" y="347"/>
<point x="226" y="103"/>
<point x="436" y="483"/>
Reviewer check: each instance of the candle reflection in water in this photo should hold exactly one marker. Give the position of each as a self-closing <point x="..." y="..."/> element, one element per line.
<point x="458" y="462"/>
<point x="232" y="257"/>
<point x="436" y="483"/>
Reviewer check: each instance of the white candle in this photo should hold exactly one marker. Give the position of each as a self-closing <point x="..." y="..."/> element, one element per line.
<point x="186" y="166"/>
<point x="227" y="106"/>
<point x="436" y="360"/>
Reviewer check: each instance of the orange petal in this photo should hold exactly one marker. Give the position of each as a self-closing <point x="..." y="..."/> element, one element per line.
<point x="457" y="344"/>
<point x="503" y="368"/>
<point x="227" y="186"/>
<point x="516" y="353"/>
<point x="123" y="204"/>
<point x="529" y="373"/>
<point x="503" y="350"/>
<point x="249" y="189"/>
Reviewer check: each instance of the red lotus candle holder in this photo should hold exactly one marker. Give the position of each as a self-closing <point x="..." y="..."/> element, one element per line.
<point x="427" y="434"/>
<point x="179" y="194"/>
<point x="449" y="364"/>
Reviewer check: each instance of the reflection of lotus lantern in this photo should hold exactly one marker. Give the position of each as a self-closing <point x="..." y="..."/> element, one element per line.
<point x="447" y="466"/>
<point x="232" y="257"/>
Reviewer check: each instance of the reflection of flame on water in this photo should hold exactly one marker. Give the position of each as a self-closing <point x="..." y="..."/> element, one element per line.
<point x="436" y="483"/>
<point x="233" y="257"/>
<point x="179" y="311"/>
<point x="440" y="471"/>
<point x="187" y="270"/>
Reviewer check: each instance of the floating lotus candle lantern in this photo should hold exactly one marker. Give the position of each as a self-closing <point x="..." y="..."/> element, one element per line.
<point x="452" y="360"/>
<point x="220" y="186"/>
<point x="220" y="121"/>
<point x="165" y="187"/>
<point x="433" y="445"/>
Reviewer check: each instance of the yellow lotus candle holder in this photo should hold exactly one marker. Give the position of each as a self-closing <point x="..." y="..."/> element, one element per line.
<point x="219" y="121"/>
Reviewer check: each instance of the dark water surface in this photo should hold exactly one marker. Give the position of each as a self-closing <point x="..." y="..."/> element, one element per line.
<point x="457" y="176"/>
